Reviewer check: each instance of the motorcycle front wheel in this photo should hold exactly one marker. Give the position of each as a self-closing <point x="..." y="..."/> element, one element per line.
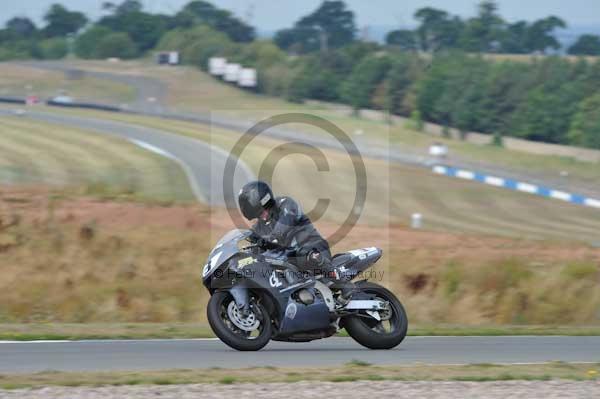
<point x="386" y="333"/>
<point x="244" y="332"/>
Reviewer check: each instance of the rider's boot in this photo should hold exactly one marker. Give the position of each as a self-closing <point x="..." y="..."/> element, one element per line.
<point x="333" y="278"/>
<point x="346" y="288"/>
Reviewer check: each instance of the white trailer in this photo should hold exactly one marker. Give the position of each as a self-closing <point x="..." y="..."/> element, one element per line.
<point x="232" y="72"/>
<point x="247" y="77"/>
<point x="216" y="66"/>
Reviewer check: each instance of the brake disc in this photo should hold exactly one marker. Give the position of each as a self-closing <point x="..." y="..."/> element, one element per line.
<point x="245" y="323"/>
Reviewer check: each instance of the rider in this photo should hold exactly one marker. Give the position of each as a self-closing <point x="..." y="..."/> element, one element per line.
<point x="282" y="223"/>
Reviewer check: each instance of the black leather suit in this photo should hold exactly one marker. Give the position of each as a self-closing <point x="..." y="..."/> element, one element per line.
<point x="289" y="227"/>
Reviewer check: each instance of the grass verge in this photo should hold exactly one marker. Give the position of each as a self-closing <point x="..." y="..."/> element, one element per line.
<point x="353" y="371"/>
<point x="80" y="331"/>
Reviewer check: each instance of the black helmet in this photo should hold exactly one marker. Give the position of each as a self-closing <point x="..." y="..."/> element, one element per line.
<point x="255" y="197"/>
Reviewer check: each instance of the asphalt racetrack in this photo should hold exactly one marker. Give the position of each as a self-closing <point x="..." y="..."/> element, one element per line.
<point x="24" y="357"/>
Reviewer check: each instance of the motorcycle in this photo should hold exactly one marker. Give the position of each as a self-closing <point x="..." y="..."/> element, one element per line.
<point x="258" y="295"/>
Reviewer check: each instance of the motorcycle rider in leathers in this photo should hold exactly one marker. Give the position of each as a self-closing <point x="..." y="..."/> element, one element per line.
<point x="281" y="223"/>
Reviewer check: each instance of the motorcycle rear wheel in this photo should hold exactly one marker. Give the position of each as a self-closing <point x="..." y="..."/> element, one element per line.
<point x="219" y="318"/>
<point x="370" y="332"/>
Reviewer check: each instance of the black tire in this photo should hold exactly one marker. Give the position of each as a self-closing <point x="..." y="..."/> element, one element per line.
<point x="361" y="329"/>
<point x="226" y="333"/>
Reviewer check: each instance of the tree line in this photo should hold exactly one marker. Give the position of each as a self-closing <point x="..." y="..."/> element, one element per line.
<point x="437" y="72"/>
<point x="125" y="31"/>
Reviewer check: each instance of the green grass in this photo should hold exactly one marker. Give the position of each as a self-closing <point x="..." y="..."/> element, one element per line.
<point x="101" y="166"/>
<point x="474" y="373"/>
<point x="20" y="81"/>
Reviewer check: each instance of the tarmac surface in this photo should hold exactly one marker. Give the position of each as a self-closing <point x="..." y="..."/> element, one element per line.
<point x="204" y="353"/>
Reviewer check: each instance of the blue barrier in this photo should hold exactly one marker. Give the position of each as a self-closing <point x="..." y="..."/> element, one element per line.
<point x="517" y="186"/>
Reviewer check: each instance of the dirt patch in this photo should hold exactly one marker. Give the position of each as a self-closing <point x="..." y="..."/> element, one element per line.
<point x="34" y="204"/>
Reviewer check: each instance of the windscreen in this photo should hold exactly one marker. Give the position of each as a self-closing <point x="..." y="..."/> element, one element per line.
<point x="233" y="235"/>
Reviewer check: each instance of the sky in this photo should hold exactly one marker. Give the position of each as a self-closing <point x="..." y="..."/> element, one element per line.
<point x="270" y="15"/>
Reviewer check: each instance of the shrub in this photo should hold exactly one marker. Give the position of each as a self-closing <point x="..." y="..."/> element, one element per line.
<point x="580" y="271"/>
<point x="497" y="140"/>
<point x="451" y="279"/>
<point x="197" y="45"/>
<point x="87" y="43"/>
<point x="53" y="49"/>
<point x="116" y="45"/>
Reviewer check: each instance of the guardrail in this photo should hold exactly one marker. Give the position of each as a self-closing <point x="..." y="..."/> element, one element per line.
<point x="517" y="185"/>
<point x="12" y="100"/>
<point x="74" y="104"/>
<point x="101" y="107"/>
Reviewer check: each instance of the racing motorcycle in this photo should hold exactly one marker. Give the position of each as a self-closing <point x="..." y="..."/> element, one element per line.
<point x="258" y="295"/>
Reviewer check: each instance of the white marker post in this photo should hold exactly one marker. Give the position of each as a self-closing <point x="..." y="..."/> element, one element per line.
<point x="173" y="58"/>
<point x="416" y="221"/>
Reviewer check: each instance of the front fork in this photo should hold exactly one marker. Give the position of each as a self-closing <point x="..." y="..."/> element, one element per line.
<point x="242" y="298"/>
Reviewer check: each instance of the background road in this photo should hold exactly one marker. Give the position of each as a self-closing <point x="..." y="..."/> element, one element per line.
<point x="165" y="354"/>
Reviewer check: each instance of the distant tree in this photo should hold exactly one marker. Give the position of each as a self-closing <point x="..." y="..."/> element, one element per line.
<point x="61" y="22"/>
<point x="128" y="6"/>
<point x="335" y="20"/>
<point x="329" y="26"/>
<point x="314" y="81"/>
<point x="350" y="54"/>
<point x="86" y="43"/>
<point x="402" y="38"/>
<point x="505" y="90"/>
<point x="108" y="6"/>
<point x="202" y="12"/>
<point x="514" y="38"/>
<point x="540" y="34"/>
<point x="198" y="44"/>
<point x="299" y="39"/>
<point x="260" y="54"/>
<point x="437" y="29"/>
<point x="116" y="44"/>
<point x="589" y="78"/>
<point x="546" y="111"/>
<point x="452" y="91"/>
<point x="143" y="28"/>
<point x="358" y="88"/>
<point x="20" y="49"/>
<point x="586" y="45"/>
<point x="400" y="78"/>
<point x="461" y="103"/>
<point x="483" y="33"/>
<point x="585" y="127"/>
<point x="429" y="89"/>
<point x="21" y="26"/>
